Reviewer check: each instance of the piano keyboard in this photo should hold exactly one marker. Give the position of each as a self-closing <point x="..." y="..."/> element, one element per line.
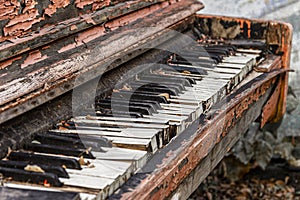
<point x="95" y="154"/>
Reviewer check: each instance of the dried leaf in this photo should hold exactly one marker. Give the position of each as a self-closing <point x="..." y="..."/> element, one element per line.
<point x="166" y="95"/>
<point x="186" y="72"/>
<point x="241" y="197"/>
<point x="34" y="168"/>
<point x="279" y="182"/>
<point x="81" y="160"/>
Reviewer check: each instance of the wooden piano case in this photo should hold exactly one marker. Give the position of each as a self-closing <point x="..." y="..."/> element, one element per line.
<point x="177" y="170"/>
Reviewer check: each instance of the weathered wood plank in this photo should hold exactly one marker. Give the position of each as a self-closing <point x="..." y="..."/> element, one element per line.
<point x="92" y="62"/>
<point x="207" y="164"/>
<point x="58" y="26"/>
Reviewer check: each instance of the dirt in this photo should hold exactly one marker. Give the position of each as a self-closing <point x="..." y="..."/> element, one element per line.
<point x="278" y="181"/>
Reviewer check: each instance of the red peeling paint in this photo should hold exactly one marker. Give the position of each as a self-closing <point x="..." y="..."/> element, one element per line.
<point x="56" y="4"/>
<point x="99" y="4"/>
<point x="91" y="34"/>
<point x="19" y="29"/>
<point x="6" y="63"/>
<point x="33" y="57"/>
<point x="67" y="47"/>
<point x="81" y="3"/>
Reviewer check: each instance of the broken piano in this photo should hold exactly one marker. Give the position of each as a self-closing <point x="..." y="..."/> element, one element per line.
<point x="130" y="99"/>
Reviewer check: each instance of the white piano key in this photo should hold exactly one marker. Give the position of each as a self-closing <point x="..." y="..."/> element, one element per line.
<point x="119" y="124"/>
<point x="172" y="106"/>
<point x="88" y="182"/>
<point x="104" y="168"/>
<point x="122" y="119"/>
<point x="119" y="171"/>
<point x="121" y="154"/>
<point x="143" y="140"/>
<point x="127" y="132"/>
<point x="249" y="51"/>
<point x="135" y="143"/>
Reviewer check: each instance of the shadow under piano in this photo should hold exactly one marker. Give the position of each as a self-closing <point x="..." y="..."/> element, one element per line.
<point x="133" y="99"/>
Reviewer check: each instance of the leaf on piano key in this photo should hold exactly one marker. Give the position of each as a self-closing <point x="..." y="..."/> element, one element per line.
<point x="34" y="168"/>
<point x="186" y="72"/>
<point x="166" y="95"/>
<point x="62" y="128"/>
<point x="83" y="162"/>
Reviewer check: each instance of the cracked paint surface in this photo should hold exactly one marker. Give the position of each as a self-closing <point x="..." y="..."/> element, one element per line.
<point x="19" y="18"/>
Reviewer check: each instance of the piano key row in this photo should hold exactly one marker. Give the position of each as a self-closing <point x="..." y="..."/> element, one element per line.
<point x="97" y="154"/>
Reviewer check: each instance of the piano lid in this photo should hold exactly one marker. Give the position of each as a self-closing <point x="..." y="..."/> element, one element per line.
<point x="39" y="64"/>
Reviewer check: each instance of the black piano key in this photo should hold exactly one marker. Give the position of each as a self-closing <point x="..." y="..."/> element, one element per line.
<point x="131" y="103"/>
<point x="58" y="170"/>
<point x="202" y="53"/>
<point x="218" y="51"/>
<point x="200" y="64"/>
<point x="173" y="85"/>
<point x="157" y="90"/>
<point x="109" y="113"/>
<point x="31" y="177"/>
<point x="232" y="49"/>
<point x="191" y="69"/>
<point x="139" y="109"/>
<point x="248" y="43"/>
<point x="191" y="79"/>
<point x="102" y="141"/>
<point x="67" y="141"/>
<point x="186" y="80"/>
<point x="130" y="95"/>
<point x="60" y="150"/>
<point x="179" y="86"/>
<point x="9" y="193"/>
<point x="153" y="104"/>
<point x="44" y="159"/>
<point x="194" y="59"/>
<point x="118" y="113"/>
<point x="159" y="78"/>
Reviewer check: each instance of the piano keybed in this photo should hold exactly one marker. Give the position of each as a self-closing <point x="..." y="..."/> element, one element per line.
<point x="95" y="154"/>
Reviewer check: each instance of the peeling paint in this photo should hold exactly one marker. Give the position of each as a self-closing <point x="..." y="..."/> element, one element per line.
<point x="7" y="63"/>
<point x="20" y="20"/>
<point x="56" y="4"/>
<point x="32" y="58"/>
<point x="81" y="3"/>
